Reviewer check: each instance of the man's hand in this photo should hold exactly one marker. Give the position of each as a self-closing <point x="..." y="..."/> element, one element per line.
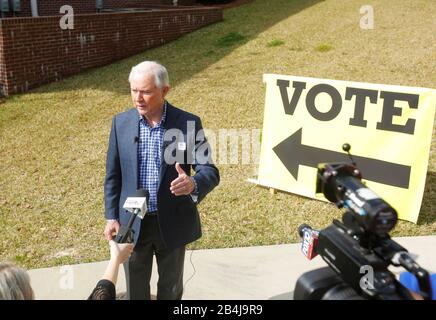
<point x="111" y="229"/>
<point x="183" y="185"/>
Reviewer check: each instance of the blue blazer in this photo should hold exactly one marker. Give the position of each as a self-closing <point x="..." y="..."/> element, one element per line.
<point x="178" y="216"/>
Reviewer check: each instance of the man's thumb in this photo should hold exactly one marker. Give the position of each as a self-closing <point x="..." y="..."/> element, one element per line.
<point x="179" y="169"/>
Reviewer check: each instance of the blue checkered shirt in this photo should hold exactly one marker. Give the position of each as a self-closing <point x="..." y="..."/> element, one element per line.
<point x="150" y="156"/>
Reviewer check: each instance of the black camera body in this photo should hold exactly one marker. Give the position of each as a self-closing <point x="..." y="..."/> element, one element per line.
<point x="358" y="250"/>
<point x="354" y="272"/>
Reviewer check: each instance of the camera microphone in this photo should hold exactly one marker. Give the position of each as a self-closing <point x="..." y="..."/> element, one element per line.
<point x="309" y="241"/>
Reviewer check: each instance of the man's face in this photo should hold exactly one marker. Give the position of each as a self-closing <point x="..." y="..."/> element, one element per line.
<point x="147" y="97"/>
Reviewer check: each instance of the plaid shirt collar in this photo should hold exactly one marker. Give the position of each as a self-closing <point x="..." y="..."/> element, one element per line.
<point x="162" y="120"/>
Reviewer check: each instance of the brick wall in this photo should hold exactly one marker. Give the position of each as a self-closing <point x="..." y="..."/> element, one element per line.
<point x="51" y="7"/>
<point x="37" y="50"/>
<point x="3" y="70"/>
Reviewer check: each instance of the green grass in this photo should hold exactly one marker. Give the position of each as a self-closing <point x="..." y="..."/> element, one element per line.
<point x="230" y="39"/>
<point x="323" y="47"/>
<point x="54" y="139"/>
<point x="275" y="43"/>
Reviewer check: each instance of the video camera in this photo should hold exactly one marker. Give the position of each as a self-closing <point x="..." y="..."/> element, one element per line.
<point x="359" y="249"/>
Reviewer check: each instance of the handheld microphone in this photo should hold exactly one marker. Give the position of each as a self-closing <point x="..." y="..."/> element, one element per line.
<point x="309" y="241"/>
<point x="138" y="207"/>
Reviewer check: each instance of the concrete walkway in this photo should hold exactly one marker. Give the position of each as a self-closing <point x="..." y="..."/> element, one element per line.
<point x="264" y="272"/>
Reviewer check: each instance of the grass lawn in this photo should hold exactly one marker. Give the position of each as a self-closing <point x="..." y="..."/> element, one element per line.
<point x="54" y="139"/>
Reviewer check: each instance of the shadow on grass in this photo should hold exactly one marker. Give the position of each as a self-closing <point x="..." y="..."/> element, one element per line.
<point x="192" y="53"/>
<point x="428" y="206"/>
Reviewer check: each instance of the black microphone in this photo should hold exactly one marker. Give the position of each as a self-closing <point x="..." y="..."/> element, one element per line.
<point x="137" y="206"/>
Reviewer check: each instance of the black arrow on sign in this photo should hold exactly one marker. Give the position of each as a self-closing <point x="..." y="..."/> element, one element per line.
<point x="293" y="154"/>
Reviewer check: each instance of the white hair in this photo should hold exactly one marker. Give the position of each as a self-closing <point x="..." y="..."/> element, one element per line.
<point x="14" y="283"/>
<point x="160" y="73"/>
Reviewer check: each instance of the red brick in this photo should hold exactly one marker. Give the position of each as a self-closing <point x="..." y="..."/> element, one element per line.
<point x="34" y="48"/>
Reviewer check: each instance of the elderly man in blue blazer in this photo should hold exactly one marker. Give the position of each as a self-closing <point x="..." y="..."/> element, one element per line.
<point x="154" y="146"/>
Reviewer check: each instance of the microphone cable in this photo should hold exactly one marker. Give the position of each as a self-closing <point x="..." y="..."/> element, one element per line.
<point x="193" y="267"/>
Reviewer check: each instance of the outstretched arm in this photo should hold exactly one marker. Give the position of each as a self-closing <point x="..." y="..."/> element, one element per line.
<point x="105" y="288"/>
<point x="120" y="252"/>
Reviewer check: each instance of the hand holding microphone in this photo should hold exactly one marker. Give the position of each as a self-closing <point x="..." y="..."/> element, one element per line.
<point x="138" y="207"/>
<point x="120" y="252"/>
<point x="111" y="229"/>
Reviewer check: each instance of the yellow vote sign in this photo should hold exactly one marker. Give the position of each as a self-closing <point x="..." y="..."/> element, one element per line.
<point x="389" y="128"/>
